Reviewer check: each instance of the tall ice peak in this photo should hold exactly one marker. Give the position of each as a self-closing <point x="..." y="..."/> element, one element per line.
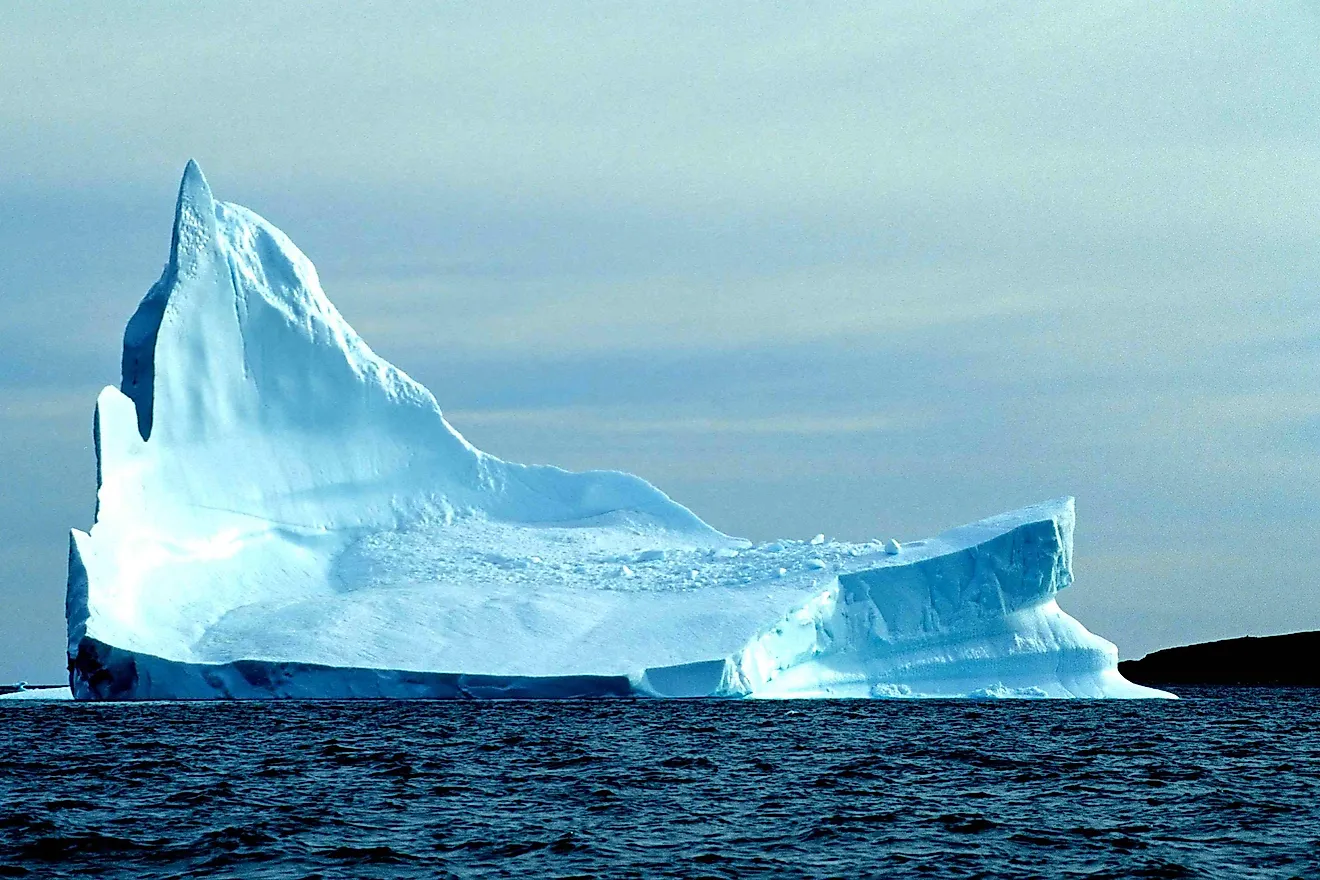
<point x="194" y="220"/>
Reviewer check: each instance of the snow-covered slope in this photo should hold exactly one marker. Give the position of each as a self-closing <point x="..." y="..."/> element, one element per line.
<point x="283" y="513"/>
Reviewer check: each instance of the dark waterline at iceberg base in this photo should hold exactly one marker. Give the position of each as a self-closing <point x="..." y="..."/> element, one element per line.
<point x="1223" y="784"/>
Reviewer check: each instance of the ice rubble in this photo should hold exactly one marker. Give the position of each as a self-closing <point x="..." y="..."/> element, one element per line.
<point x="282" y="513"/>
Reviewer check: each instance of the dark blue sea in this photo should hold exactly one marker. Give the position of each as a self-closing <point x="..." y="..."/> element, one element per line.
<point x="1225" y="783"/>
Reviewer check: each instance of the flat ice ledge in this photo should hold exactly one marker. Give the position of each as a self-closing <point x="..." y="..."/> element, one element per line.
<point x="32" y="695"/>
<point x="970" y="613"/>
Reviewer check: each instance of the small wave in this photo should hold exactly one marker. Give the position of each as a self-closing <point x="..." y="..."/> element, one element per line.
<point x="59" y="847"/>
<point x="367" y="855"/>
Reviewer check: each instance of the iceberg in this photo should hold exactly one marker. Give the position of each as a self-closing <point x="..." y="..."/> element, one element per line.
<point x="282" y="513"/>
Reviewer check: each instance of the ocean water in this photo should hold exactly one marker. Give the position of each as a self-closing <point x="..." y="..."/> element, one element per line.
<point x="1225" y="783"/>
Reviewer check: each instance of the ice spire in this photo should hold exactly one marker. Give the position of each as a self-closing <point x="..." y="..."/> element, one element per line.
<point x="194" y="221"/>
<point x="190" y="247"/>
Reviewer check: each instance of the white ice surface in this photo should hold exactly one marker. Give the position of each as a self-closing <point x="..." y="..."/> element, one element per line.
<point x="60" y="693"/>
<point x="271" y="490"/>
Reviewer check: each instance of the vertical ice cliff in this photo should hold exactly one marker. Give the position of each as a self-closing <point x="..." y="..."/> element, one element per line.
<point x="280" y="512"/>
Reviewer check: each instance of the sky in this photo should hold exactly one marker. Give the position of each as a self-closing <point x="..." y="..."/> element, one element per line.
<point x="869" y="270"/>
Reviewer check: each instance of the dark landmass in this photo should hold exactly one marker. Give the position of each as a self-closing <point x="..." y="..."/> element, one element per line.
<point x="1271" y="661"/>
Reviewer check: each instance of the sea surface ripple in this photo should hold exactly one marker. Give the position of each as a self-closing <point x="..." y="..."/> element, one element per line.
<point x="1225" y="783"/>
